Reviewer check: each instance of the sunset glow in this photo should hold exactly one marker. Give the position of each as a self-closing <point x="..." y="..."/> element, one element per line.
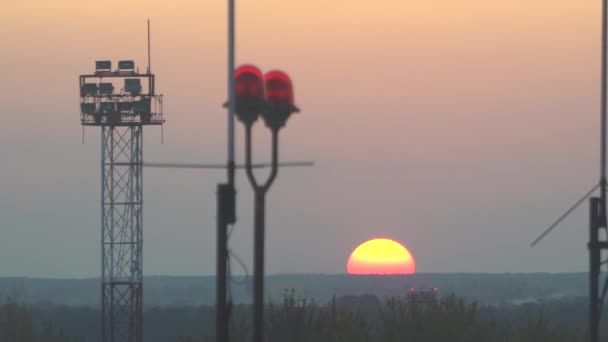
<point x="381" y="256"/>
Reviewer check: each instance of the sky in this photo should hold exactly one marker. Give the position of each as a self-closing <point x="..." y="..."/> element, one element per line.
<point x="460" y="129"/>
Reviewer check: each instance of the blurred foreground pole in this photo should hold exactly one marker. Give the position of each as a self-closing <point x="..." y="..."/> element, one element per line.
<point x="597" y="210"/>
<point x="597" y="205"/>
<point x="226" y="199"/>
<point x="594" y="267"/>
<point x="260" y="231"/>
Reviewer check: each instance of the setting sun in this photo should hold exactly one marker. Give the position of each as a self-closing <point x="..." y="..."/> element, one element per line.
<point x="381" y="256"/>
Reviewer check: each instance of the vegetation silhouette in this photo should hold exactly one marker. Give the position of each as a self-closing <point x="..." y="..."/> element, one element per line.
<point x="17" y="325"/>
<point x="395" y="320"/>
<point x="347" y="318"/>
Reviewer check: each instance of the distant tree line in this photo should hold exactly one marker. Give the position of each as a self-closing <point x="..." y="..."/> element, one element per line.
<point x="394" y="320"/>
<point x="343" y="319"/>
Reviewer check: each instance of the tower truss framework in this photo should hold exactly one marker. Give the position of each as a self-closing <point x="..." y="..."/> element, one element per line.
<point x="121" y="102"/>
<point x="122" y="235"/>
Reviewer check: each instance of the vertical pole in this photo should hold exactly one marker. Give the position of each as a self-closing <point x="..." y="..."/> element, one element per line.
<point x="139" y="224"/>
<point x="221" y="266"/>
<point x="103" y="234"/>
<point x="226" y="198"/>
<point x="598" y="206"/>
<point x="594" y="268"/>
<point x="260" y="231"/>
<point x="231" y="91"/>
<point x="110" y="241"/>
<point x="258" y="267"/>
<point x="149" y="63"/>
<point x="603" y="112"/>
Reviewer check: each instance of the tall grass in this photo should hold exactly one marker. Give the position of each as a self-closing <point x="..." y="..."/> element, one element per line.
<point x="392" y="320"/>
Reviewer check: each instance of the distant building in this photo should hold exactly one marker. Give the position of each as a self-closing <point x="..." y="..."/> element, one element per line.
<point x="423" y="297"/>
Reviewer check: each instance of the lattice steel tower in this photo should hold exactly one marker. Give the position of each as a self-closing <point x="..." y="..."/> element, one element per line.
<point x="121" y="102"/>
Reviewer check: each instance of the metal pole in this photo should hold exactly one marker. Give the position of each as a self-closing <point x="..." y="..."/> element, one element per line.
<point x="258" y="267"/>
<point x="258" y="243"/>
<point x="149" y="63"/>
<point x="104" y="336"/>
<point x="231" y="91"/>
<point x="603" y="89"/>
<point x="226" y="198"/>
<point x="594" y="268"/>
<point x="598" y="205"/>
<point x="221" y="259"/>
<point x="603" y="112"/>
<point x="260" y="230"/>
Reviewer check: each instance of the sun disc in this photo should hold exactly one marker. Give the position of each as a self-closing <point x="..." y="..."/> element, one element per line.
<point x="381" y="256"/>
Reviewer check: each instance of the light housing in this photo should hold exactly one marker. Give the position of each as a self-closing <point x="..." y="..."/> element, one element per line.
<point x="103" y="66"/>
<point x="279" y="94"/>
<point x="133" y="86"/>
<point x="107" y="107"/>
<point x="126" y="65"/>
<point x="87" y="108"/>
<point x="88" y="89"/>
<point x="249" y="91"/>
<point x="106" y="88"/>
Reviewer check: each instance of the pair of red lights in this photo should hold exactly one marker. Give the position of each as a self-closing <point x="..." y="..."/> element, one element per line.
<point x="414" y="290"/>
<point x="269" y="95"/>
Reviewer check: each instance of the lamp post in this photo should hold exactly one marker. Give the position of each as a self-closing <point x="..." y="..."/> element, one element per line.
<point x="272" y="98"/>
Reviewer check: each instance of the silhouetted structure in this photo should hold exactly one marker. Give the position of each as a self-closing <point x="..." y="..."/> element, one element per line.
<point x="271" y="97"/>
<point x="226" y="199"/>
<point x="121" y="101"/>
<point x="597" y="205"/>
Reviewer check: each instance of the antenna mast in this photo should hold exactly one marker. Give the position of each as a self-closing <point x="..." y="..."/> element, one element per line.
<point x="597" y="220"/>
<point x="597" y="205"/>
<point x="149" y="64"/>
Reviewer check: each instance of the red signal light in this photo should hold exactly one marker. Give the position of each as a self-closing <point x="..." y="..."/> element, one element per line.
<point x="249" y="91"/>
<point x="279" y="96"/>
<point x="249" y="85"/>
<point x="279" y="90"/>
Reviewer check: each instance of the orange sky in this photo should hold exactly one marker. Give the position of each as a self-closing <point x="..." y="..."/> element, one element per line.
<point x="453" y="101"/>
<point x="341" y="54"/>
